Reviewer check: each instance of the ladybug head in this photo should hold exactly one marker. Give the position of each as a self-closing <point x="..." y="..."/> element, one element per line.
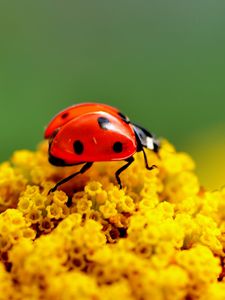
<point x="145" y="139"/>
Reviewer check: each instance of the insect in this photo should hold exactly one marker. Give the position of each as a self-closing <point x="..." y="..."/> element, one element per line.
<point x="89" y="132"/>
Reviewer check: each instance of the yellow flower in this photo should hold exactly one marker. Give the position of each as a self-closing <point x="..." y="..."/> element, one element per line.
<point x="161" y="237"/>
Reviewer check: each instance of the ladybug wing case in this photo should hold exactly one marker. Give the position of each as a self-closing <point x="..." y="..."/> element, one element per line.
<point x="93" y="136"/>
<point x="75" y="111"/>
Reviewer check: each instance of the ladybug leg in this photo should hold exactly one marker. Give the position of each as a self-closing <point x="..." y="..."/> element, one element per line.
<point x="120" y="170"/>
<point x="82" y="170"/>
<point x="146" y="161"/>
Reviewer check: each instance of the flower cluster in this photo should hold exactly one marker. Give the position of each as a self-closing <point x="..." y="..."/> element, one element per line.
<point x="160" y="237"/>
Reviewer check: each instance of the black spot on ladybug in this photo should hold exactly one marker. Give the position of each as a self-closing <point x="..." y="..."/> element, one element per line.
<point x="52" y="136"/>
<point x="104" y="123"/>
<point x="123" y="117"/>
<point x="65" y="115"/>
<point x="78" y="147"/>
<point x="117" y="147"/>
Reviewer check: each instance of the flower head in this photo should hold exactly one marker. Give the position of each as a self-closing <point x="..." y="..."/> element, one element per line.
<point x="161" y="237"/>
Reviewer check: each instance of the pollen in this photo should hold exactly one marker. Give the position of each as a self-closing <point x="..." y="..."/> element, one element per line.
<point x="161" y="237"/>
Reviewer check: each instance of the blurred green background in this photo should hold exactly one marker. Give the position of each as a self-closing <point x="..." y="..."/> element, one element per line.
<point x="161" y="62"/>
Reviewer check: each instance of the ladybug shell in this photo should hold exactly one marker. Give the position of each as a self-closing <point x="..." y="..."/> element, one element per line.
<point x="74" y="111"/>
<point x="94" y="136"/>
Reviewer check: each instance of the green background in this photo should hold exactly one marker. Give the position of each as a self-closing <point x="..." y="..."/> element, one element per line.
<point x="160" y="62"/>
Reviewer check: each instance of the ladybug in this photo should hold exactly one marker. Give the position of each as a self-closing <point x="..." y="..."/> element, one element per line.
<point x="89" y="132"/>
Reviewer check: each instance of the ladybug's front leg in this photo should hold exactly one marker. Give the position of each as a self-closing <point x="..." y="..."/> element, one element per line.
<point x="120" y="170"/>
<point x="146" y="161"/>
<point x="82" y="170"/>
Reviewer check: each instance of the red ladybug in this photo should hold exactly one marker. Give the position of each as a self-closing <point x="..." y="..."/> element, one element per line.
<point x="90" y="132"/>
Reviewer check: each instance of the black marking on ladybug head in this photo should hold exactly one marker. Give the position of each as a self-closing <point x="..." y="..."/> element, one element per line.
<point x="118" y="147"/>
<point x="65" y="115"/>
<point x="104" y="123"/>
<point x="124" y="117"/>
<point x="145" y="139"/>
<point x="78" y="147"/>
